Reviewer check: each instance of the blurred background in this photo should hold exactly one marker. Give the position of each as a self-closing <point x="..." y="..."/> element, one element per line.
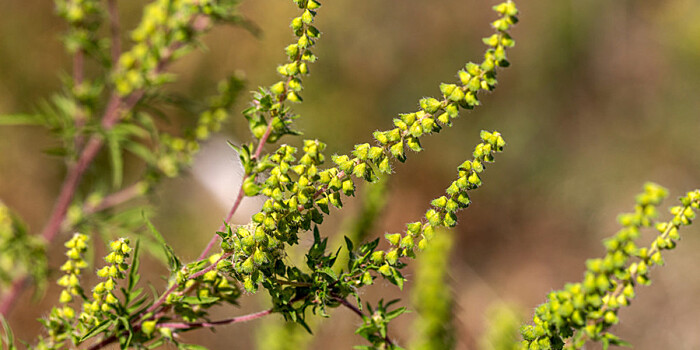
<point x="601" y="97"/>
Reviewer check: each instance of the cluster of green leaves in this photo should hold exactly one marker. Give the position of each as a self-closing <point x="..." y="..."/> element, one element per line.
<point x="20" y="253"/>
<point x="102" y="308"/>
<point x="585" y="311"/>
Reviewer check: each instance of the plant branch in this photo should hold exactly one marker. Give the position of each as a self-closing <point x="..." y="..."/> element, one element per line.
<point x="239" y="197"/>
<point x="114" y="199"/>
<point x="358" y="312"/>
<point x="113" y="111"/>
<point x="78" y="77"/>
<point x="114" y="30"/>
<point x="174" y="286"/>
<point x="194" y="325"/>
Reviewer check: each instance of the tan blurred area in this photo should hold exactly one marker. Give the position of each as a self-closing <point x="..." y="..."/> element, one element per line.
<point x="601" y="97"/>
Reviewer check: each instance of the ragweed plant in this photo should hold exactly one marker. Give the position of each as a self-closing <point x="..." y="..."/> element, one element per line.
<point x="586" y="310"/>
<point x="113" y="110"/>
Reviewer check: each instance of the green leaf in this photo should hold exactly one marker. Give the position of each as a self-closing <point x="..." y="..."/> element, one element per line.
<point x="21" y="119"/>
<point x="190" y="347"/>
<point x="99" y="328"/>
<point x="140" y="151"/>
<point x="125" y="342"/>
<point x="134" y="269"/>
<point x="115" y="156"/>
<point x="173" y="261"/>
<point x="195" y="300"/>
<point x="8" y="337"/>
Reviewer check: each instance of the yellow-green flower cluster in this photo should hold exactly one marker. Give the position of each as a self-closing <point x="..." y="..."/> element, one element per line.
<point x="20" y="252"/>
<point x="72" y="268"/>
<point x="269" y="104"/>
<point x="434" y="113"/>
<point x="212" y="286"/>
<point x="103" y="298"/>
<point x="444" y="208"/>
<point x="295" y="201"/>
<point x="167" y="26"/>
<point x="83" y="17"/>
<point x="584" y="311"/>
<point x="60" y="322"/>
<point x="175" y="153"/>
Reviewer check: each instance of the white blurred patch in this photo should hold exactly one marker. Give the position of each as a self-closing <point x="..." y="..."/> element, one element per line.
<point x="218" y="168"/>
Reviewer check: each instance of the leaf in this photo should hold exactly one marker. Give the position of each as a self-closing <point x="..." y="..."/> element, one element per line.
<point x="115" y="157"/>
<point x="99" y="328"/>
<point x="130" y="333"/>
<point x="140" y="151"/>
<point x="8" y="337"/>
<point x="21" y="119"/>
<point x="348" y="242"/>
<point x="190" y="347"/>
<point x="56" y="151"/>
<point x="194" y="300"/>
<point x="134" y="269"/>
<point x="173" y="261"/>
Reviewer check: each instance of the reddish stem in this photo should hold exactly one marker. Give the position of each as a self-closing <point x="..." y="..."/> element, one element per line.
<point x="172" y="288"/>
<point x="358" y="312"/>
<point x="193" y="325"/>
<point x="115" y="199"/>
<point x="239" y="197"/>
<point x="113" y="10"/>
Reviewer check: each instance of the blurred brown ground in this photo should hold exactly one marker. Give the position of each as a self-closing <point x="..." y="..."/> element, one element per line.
<point x="601" y="97"/>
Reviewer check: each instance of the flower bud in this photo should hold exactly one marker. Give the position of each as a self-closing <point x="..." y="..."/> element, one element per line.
<point x="393" y="238"/>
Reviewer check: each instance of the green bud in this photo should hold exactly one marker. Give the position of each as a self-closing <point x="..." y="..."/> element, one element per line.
<point x="304" y="42"/>
<point x="414" y="144"/>
<point x="397" y="151"/>
<point x="248" y="284"/>
<point x="259" y="257"/>
<point x="392" y="256"/>
<point x="312" y="4"/>
<point x="381" y="137"/>
<point x="247" y="266"/>
<point x="297" y="23"/>
<point x="393" y="238"/>
<point x="610" y="317"/>
<point x="360" y="170"/>
<point x="148" y="327"/>
<point x="439" y="202"/>
<point x="293" y="96"/>
<point x="386" y="270"/>
<point x="434" y="218"/>
<point x="377" y="257"/>
<point x="348" y="187"/>
<point x="250" y="188"/>
<point x="413" y="228"/>
<point x="407" y="242"/>
<point x="374" y="153"/>
<point x="367" y="279"/>
<point x="303" y="68"/>
<point x="473" y="69"/>
<point x="307" y="17"/>
<point x="65" y="297"/>
<point x="430" y="105"/>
